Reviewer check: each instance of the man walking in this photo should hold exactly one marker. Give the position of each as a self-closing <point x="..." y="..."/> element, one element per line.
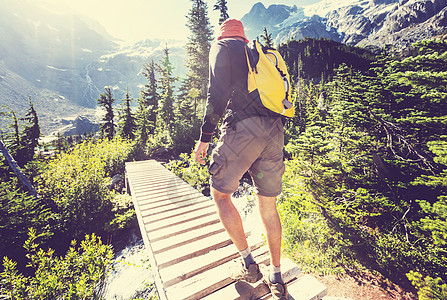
<point x="252" y="139"/>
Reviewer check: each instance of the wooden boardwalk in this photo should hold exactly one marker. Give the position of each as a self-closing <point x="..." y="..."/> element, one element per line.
<point x="187" y="245"/>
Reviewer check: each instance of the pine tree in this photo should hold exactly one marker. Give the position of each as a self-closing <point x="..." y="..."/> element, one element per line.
<point x="106" y="101"/>
<point x="198" y="47"/>
<point x="221" y="6"/>
<point x="12" y="139"/>
<point x="30" y="135"/>
<point x="165" y="117"/>
<point x="267" y="39"/>
<point x="126" y="119"/>
<point x="143" y="124"/>
<point x="149" y="94"/>
<point x="187" y="121"/>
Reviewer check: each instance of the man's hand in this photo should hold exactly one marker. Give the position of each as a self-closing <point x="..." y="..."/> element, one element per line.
<point x="200" y="152"/>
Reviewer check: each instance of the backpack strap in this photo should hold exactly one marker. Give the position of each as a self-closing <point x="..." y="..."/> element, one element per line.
<point x="287" y="104"/>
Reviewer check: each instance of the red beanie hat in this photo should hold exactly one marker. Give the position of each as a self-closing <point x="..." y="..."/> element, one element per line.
<point x="232" y="28"/>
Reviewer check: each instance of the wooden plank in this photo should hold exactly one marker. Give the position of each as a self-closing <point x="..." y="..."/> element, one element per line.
<point x="153" y="199"/>
<point x="160" y="182"/>
<point x="137" y="168"/>
<point x="170" y="184"/>
<point x="177" y="229"/>
<point x="181" y="212"/>
<point x="186" y="237"/>
<point x="169" y="200"/>
<point x="193" y="249"/>
<point x="165" y="191"/>
<point x="172" y="207"/>
<point x="149" y="179"/>
<point x="155" y="180"/>
<point x="173" y="198"/>
<point x="205" y="283"/>
<point x="245" y="290"/>
<point x="144" y="171"/>
<point x="305" y="287"/>
<point x="151" y="175"/>
<point x="184" y="218"/>
<point x="197" y="265"/>
<point x="142" y="183"/>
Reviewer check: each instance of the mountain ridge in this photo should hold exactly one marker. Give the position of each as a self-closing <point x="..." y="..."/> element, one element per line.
<point x="355" y="22"/>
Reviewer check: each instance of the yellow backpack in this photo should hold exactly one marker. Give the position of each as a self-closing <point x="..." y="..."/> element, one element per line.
<point x="268" y="79"/>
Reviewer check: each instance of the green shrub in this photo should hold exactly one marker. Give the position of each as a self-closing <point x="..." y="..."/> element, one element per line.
<point x="428" y="288"/>
<point x="80" y="274"/>
<point x="124" y="213"/>
<point x="76" y="183"/>
<point x="308" y="238"/>
<point x="188" y="169"/>
<point x="18" y="212"/>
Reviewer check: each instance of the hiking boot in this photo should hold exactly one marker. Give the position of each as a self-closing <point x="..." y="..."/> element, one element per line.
<point x="239" y="272"/>
<point x="279" y="290"/>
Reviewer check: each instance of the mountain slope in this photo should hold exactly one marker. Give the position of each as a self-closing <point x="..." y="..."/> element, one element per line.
<point x="49" y="55"/>
<point x="354" y="22"/>
<point x="49" y="50"/>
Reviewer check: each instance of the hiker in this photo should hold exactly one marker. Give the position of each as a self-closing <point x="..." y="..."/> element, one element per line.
<point x="252" y="139"/>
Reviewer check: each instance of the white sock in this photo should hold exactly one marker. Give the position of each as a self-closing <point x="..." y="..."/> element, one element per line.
<point x="275" y="274"/>
<point x="247" y="257"/>
<point x="246" y="252"/>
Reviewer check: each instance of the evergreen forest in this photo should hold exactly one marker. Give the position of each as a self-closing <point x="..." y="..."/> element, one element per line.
<point x="365" y="188"/>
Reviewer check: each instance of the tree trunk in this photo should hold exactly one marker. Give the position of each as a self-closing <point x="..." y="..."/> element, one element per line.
<point x="15" y="168"/>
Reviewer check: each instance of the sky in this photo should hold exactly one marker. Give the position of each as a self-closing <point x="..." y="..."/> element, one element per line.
<point x="133" y="20"/>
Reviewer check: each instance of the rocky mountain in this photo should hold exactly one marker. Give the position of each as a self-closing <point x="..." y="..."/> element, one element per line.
<point x="354" y="22"/>
<point x="63" y="62"/>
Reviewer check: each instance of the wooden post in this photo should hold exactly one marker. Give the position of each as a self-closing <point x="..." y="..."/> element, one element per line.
<point x="15" y="168"/>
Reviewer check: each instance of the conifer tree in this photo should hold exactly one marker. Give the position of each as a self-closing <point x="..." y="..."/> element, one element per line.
<point x="221" y="6"/>
<point x="12" y="139"/>
<point x="127" y="119"/>
<point x="198" y="47"/>
<point x="187" y="124"/>
<point x="143" y="124"/>
<point x="30" y="135"/>
<point x="267" y="38"/>
<point x="149" y="94"/>
<point x="165" y="117"/>
<point x="106" y="101"/>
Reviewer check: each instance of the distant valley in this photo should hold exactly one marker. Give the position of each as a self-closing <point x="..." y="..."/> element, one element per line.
<point x="63" y="63"/>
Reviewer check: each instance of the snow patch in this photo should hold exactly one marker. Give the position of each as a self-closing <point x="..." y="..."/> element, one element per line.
<point x="57" y="69"/>
<point x="52" y="28"/>
<point x="86" y="50"/>
<point x="35" y="23"/>
<point x="322" y="8"/>
<point x="295" y="17"/>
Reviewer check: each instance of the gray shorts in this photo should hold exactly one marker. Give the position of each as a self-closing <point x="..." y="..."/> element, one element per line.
<point x="254" y="145"/>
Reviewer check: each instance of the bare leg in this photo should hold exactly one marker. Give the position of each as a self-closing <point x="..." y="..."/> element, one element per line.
<point x="272" y="225"/>
<point x="230" y="218"/>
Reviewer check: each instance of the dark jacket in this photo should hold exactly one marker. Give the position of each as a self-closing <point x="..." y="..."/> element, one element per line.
<point x="227" y="90"/>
